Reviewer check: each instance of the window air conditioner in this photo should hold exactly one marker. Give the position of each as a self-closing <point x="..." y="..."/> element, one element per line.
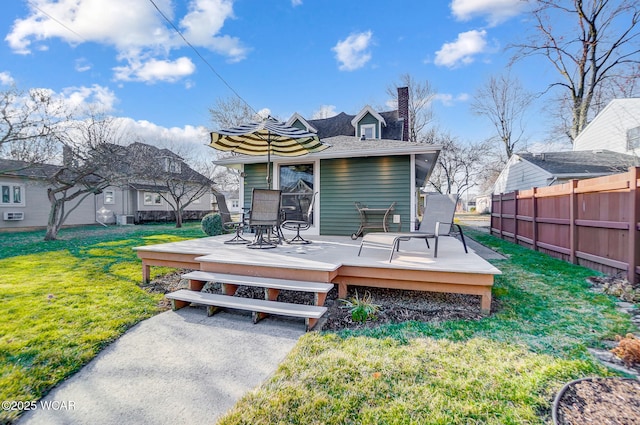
<point x="124" y="219"/>
<point x="13" y="216"/>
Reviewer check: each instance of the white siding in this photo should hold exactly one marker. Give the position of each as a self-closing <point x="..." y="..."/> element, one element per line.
<point x="608" y="130"/>
<point x="520" y="174"/>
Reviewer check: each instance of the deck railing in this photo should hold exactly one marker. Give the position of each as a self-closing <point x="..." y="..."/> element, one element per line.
<point x="591" y="222"/>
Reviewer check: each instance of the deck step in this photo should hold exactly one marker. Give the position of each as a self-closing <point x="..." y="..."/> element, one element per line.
<point x="263" y="282"/>
<point x="310" y="313"/>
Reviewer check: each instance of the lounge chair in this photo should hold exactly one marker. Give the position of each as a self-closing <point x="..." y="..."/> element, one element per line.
<point x="437" y="221"/>
<point x="298" y="225"/>
<point x="264" y="217"/>
<point x="228" y="223"/>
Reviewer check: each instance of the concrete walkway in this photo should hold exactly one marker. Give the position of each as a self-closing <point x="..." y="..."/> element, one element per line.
<point x="174" y="368"/>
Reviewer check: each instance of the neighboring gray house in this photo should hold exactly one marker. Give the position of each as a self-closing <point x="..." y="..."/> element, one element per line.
<point x="138" y="199"/>
<point x="24" y="202"/>
<point x="370" y="161"/>
<point x="23" y="197"/>
<point x="526" y="170"/>
<point x="615" y="128"/>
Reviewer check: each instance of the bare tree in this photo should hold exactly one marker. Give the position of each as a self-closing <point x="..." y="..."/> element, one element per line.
<point x="601" y="50"/>
<point x="91" y="148"/>
<point x="231" y="112"/>
<point x="504" y="102"/>
<point x="28" y="125"/>
<point x="460" y="167"/>
<point x="420" y="114"/>
<point x="178" y="184"/>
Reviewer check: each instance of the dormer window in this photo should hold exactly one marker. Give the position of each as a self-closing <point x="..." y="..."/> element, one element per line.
<point x="172" y="165"/>
<point x="368" y="123"/>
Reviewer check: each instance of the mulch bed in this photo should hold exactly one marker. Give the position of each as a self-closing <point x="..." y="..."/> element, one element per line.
<point x="394" y="306"/>
<point x="602" y="401"/>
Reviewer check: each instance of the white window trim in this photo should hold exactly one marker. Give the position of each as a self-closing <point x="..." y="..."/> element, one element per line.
<point x="373" y="128"/>
<point x="155" y="196"/>
<point x="12" y="187"/>
<point x="113" y="197"/>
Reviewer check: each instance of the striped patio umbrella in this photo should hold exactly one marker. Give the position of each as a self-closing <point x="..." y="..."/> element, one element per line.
<point x="267" y="137"/>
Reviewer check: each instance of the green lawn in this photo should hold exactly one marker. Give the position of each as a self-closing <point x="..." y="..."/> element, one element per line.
<point x="61" y="302"/>
<point x="504" y="369"/>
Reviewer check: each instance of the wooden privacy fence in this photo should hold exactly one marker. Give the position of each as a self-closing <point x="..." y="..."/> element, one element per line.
<point x="591" y="222"/>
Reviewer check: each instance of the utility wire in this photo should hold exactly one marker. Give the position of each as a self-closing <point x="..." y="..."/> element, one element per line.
<point x="177" y="30"/>
<point x="59" y="22"/>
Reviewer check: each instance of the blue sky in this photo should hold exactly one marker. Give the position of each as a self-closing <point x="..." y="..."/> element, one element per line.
<point x="282" y="55"/>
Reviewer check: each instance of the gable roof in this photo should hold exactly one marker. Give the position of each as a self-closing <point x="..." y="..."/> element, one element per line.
<point x="576" y="163"/>
<point x="367" y="110"/>
<point x="138" y="150"/>
<point x="340" y="125"/>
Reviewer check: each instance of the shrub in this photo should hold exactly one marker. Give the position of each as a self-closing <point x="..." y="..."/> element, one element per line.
<point x="212" y="224"/>
<point x="628" y="349"/>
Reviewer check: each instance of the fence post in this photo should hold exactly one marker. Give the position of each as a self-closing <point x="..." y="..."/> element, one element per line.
<point x="534" y="222"/>
<point x="633" y="224"/>
<point x="573" y="215"/>
<point x="500" y="216"/>
<point x="515" y="217"/>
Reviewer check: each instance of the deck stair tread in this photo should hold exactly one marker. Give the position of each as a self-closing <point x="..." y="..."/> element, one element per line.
<point x="292" y="285"/>
<point x="251" y="304"/>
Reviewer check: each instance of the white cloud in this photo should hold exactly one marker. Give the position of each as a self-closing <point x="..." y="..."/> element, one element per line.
<point x="82" y="65"/>
<point x="6" y="79"/>
<point x="461" y="51"/>
<point x="447" y="99"/>
<point x="134" y="29"/>
<point x="155" y="70"/>
<point x="496" y="11"/>
<point x="96" y="97"/>
<point x="295" y="3"/>
<point x="352" y="52"/>
<point x="325" y="111"/>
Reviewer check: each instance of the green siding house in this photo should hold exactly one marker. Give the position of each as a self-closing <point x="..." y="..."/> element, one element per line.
<point x="370" y="161"/>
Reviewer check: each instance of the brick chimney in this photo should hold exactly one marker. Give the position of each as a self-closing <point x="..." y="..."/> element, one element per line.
<point x="403" y="110"/>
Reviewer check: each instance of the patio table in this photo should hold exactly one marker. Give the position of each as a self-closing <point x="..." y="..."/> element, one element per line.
<point x="373" y="218"/>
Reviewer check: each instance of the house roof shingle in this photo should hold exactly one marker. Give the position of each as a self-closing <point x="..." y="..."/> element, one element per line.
<point x="581" y="162"/>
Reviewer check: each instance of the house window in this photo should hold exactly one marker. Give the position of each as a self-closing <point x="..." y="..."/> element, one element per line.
<point x="235" y="203"/>
<point x="296" y="184"/>
<point x="12" y="194"/>
<point x="368" y="131"/>
<point x="109" y="197"/>
<point x="151" y="198"/>
<point x="633" y="138"/>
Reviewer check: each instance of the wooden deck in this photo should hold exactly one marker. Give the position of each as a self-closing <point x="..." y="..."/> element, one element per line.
<point x="335" y="259"/>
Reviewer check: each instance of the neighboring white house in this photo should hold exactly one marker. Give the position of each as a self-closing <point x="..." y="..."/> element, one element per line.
<point x="615" y="128"/>
<point x="526" y="170"/>
<point x="609" y="144"/>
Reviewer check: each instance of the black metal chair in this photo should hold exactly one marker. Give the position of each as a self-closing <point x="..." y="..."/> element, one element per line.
<point x="264" y="217"/>
<point x="228" y="223"/>
<point x="303" y="224"/>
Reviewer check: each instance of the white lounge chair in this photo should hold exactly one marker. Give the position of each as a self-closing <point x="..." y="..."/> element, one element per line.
<point x="437" y="221"/>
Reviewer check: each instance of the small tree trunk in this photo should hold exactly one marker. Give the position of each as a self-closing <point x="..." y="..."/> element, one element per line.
<point x="53" y="223"/>
<point x="178" y="218"/>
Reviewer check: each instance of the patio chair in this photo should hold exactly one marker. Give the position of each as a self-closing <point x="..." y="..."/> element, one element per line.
<point x="303" y="224"/>
<point x="264" y="216"/>
<point x="437" y="221"/>
<point x="228" y="223"/>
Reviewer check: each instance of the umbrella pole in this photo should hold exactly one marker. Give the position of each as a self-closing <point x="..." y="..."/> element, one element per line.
<point x="268" y="161"/>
